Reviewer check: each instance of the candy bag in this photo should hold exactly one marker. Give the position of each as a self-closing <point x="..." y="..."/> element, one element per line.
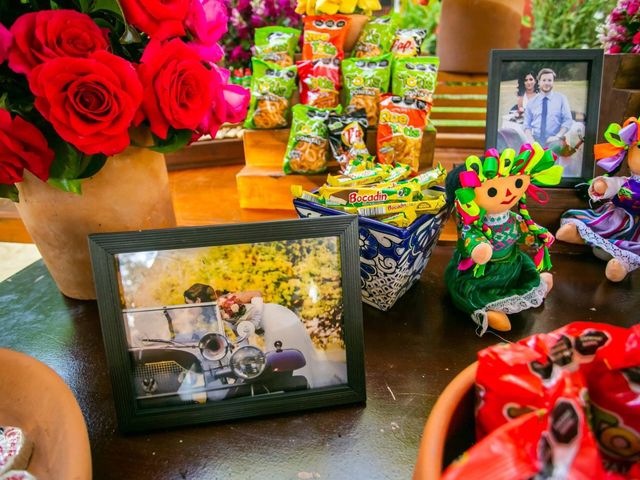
<point x="402" y="123"/>
<point x="308" y="143"/>
<point x="365" y="81"/>
<point x="348" y="136"/>
<point x="320" y="82"/>
<point x="407" y="43"/>
<point x="415" y="77"/>
<point x="324" y="36"/>
<point x="271" y="90"/>
<point x="276" y="44"/>
<point x="375" y="39"/>
<point x="553" y="444"/>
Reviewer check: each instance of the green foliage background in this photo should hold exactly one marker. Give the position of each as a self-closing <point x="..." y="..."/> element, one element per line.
<point x="568" y="23"/>
<point x="302" y="275"/>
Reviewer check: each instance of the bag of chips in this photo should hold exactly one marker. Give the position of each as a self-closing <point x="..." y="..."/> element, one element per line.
<point x="365" y="81"/>
<point x="276" y="44"/>
<point x="320" y="82"/>
<point x="324" y="36"/>
<point x="400" y="131"/>
<point x="408" y="43"/>
<point x="348" y="136"/>
<point x="271" y="90"/>
<point x="308" y="144"/>
<point x="375" y="39"/>
<point x="415" y="77"/>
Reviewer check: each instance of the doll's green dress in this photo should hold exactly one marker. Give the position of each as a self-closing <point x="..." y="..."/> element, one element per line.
<point x="509" y="283"/>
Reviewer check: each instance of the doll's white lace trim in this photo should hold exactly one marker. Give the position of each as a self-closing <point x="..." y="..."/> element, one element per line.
<point x="513" y="304"/>
<point x="629" y="260"/>
<point x="493" y="219"/>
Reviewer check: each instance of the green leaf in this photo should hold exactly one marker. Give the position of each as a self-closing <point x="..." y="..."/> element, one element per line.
<point x="176" y="140"/>
<point x="9" y="191"/>
<point x="108" y="5"/>
<point x="526" y="21"/>
<point x="93" y="165"/>
<point x="68" y="162"/>
<point x="66" y="185"/>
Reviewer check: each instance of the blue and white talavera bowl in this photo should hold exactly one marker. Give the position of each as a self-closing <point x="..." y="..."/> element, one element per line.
<point x="392" y="259"/>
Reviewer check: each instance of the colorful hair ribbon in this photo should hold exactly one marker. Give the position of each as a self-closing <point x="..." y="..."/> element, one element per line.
<point x="610" y="155"/>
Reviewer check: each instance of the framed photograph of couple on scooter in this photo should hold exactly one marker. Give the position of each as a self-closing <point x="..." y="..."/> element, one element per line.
<point x="551" y="97"/>
<point x="205" y="324"/>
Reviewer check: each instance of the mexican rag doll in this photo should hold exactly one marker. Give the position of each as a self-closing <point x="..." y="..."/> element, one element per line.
<point x="489" y="275"/>
<point x="613" y="227"/>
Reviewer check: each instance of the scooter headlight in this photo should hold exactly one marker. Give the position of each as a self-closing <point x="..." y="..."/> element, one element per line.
<point x="247" y="362"/>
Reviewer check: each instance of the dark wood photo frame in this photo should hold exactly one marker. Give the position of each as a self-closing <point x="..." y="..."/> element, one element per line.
<point x="211" y="356"/>
<point x="577" y="76"/>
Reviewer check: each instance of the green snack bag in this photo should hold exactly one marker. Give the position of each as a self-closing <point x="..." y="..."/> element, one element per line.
<point x="276" y="44"/>
<point x="376" y="38"/>
<point x="308" y="143"/>
<point x="271" y="90"/>
<point x="415" y="77"/>
<point x="365" y="80"/>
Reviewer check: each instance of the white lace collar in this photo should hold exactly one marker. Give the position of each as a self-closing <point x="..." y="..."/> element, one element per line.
<point x="492" y="219"/>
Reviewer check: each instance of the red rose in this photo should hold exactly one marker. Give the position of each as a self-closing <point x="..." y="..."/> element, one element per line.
<point x="22" y="146"/>
<point x="49" y="34"/>
<point x="160" y="19"/>
<point x="90" y="102"/>
<point x="177" y="87"/>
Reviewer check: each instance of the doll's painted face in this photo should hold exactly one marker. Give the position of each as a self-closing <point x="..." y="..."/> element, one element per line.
<point x="501" y="193"/>
<point x="633" y="159"/>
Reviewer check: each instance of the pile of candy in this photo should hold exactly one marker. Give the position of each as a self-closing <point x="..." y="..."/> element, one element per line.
<point x="386" y="81"/>
<point x="558" y="405"/>
<point x="380" y="191"/>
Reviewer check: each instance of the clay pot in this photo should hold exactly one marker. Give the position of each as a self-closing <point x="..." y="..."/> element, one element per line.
<point x="470" y="29"/>
<point x="131" y="192"/>
<point x="38" y="401"/>
<point x="450" y="428"/>
<point x="355" y="28"/>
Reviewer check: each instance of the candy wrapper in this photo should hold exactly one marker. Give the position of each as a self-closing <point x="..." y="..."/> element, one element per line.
<point x="408" y="43"/>
<point x="402" y="122"/>
<point x="365" y="81"/>
<point x="348" y="136"/>
<point x="594" y="367"/>
<point x="376" y="38"/>
<point x="308" y="144"/>
<point x="415" y="78"/>
<point x="320" y="82"/>
<point x="324" y="36"/>
<point x="276" y="44"/>
<point x="271" y="90"/>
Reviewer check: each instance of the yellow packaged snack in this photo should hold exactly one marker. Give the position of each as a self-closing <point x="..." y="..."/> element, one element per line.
<point x="360" y="196"/>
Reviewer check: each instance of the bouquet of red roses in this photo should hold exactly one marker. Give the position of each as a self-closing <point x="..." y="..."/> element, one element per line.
<point x="78" y="75"/>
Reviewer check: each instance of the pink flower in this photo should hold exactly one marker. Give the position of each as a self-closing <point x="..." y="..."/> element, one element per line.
<point x="22" y="146"/>
<point x="207" y="20"/>
<point x="636" y="38"/>
<point x="229" y="104"/>
<point x="49" y="34"/>
<point x="616" y="15"/>
<point x="6" y="38"/>
<point x="614" y="49"/>
<point x="633" y="7"/>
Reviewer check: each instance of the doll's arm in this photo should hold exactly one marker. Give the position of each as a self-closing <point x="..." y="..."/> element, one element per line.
<point x="605" y="187"/>
<point x="476" y="245"/>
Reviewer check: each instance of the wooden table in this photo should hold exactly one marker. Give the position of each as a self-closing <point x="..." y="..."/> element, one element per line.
<point x="412" y="352"/>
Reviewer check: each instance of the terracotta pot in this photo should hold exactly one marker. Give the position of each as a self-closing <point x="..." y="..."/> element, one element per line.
<point x="131" y="192"/>
<point x="450" y="428"/>
<point x="357" y="24"/>
<point x="38" y="401"/>
<point x="470" y="29"/>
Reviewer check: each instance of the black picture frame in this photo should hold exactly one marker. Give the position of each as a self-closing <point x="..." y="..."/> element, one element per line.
<point x="593" y="58"/>
<point x="132" y="415"/>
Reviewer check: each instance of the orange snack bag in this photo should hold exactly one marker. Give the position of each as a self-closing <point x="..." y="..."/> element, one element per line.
<point x="324" y="36"/>
<point x="400" y="130"/>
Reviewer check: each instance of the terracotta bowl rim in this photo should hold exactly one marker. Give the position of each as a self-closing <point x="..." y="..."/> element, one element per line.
<point x="429" y="464"/>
